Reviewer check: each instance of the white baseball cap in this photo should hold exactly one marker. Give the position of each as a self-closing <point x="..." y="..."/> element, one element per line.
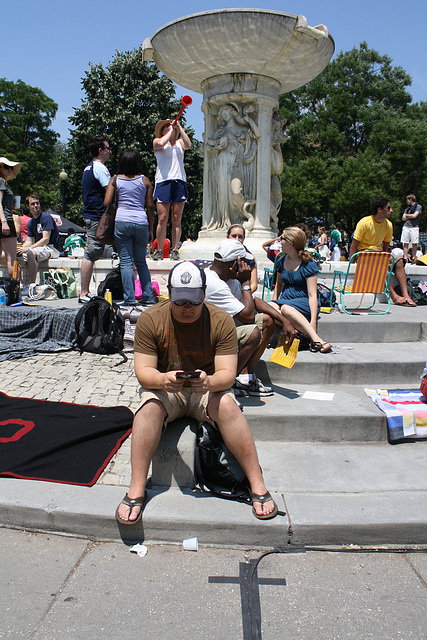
<point x="187" y="282"/>
<point x="229" y="249"/>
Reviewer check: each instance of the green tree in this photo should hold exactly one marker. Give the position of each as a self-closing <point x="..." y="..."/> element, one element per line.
<point x="124" y="101"/>
<point x="26" y="115"/>
<point x="355" y="121"/>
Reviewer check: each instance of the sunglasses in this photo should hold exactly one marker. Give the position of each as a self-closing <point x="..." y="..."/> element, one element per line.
<point x="181" y="303"/>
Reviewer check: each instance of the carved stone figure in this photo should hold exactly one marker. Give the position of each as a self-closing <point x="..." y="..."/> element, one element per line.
<point x="235" y="145"/>
<point x="277" y="137"/>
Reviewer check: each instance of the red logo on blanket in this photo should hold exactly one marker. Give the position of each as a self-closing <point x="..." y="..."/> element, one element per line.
<point x="26" y="427"/>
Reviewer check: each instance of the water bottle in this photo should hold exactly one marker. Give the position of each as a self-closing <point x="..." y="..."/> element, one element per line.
<point x="2" y="297"/>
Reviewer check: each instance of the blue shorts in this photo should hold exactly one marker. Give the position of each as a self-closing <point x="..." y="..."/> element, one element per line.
<point x="171" y="191"/>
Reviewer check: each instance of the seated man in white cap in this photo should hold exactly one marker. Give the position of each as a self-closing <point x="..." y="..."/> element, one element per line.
<point x="186" y="335"/>
<point x="228" y="287"/>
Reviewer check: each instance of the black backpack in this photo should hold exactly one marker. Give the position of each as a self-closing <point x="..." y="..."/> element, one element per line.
<point x="112" y="282"/>
<point x="100" y="327"/>
<point x="324" y="294"/>
<point x="11" y="288"/>
<point x="216" y="469"/>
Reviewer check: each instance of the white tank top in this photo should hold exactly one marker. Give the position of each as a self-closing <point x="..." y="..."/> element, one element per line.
<point x="170" y="163"/>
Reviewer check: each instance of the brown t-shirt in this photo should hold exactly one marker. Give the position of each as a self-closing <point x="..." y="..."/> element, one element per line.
<point x="179" y="346"/>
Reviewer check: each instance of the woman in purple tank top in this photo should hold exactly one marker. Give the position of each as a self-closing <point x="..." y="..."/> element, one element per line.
<point x="134" y="223"/>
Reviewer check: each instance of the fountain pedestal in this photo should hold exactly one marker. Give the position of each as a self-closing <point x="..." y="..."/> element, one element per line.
<point x="241" y="60"/>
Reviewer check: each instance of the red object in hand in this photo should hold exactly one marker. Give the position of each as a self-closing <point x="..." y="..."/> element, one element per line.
<point x="186" y="101"/>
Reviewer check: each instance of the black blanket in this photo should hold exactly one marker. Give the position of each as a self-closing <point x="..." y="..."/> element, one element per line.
<point x="59" y="442"/>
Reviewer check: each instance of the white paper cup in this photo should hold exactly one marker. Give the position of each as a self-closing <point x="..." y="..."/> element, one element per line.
<point x="191" y="544"/>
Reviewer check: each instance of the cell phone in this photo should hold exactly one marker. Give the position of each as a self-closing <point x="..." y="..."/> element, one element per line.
<point x="235" y="266"/>
<point x="188" y="374"/>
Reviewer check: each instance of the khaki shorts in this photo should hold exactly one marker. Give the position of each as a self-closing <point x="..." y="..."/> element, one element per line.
<point x="244" y="331"/>
<point x="41" y="253"/>
<point x="184" y="403"/>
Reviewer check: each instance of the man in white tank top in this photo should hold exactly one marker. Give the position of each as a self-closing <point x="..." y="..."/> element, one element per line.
<point x="170" y="182"/>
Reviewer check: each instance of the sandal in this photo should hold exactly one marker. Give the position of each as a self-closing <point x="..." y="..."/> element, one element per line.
<point x="132" y="503"/>
<point x="320" y="347"/>
<point x="255" y="497"/>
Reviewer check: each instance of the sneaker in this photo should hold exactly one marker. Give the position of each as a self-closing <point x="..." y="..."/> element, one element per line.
<point x="86" y="298"/>
<point x="158" y="255"/>
<point x="174" y="255"/>
<point x="252" y="388"/>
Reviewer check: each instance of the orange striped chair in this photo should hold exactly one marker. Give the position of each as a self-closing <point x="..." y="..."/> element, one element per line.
<point x="372" y="275"/>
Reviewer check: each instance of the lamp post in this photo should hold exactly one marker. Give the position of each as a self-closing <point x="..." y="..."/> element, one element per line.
<point x="63" y="176"/>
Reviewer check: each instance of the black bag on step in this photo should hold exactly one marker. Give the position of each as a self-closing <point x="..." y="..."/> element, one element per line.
<point x="216" y="468"/>
<point x="11" y="288"/>
<point x="100" y="327"/>
<point x="112" y="282"/>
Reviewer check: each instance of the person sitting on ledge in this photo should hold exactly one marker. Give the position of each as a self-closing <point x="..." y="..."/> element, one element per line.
<point x="228" y="287"/>
<point x="297" y="296"/>
<point x="42" y="241"/>
<point x="374" y="233"/>
<point x="187" y="334"/>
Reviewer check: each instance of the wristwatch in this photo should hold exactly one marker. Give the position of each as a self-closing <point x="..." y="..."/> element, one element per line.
<point x="246" y="287"/>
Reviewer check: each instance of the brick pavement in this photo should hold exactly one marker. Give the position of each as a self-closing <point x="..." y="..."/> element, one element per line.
<point x="79" y="379"/>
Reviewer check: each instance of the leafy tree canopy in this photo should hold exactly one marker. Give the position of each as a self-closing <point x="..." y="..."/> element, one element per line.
<point x="124" y="101"/>
<point x="26" y="115"/>
<point x="353" y="134"/>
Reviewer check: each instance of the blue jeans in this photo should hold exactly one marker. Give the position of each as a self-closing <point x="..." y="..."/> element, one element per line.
<point x="131" y="242"/>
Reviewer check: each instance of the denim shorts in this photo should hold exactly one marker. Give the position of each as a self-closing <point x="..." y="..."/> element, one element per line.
<point x="94" y="249"/>
<point x="171" y="191"/>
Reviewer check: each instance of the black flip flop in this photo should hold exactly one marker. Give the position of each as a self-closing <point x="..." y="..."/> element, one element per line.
<point x="266" y="497"/>
<point x="131" y="502"/>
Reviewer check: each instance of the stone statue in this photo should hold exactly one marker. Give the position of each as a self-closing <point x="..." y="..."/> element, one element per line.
<point x="277" y="137"/>
<point x="234" y="183"/>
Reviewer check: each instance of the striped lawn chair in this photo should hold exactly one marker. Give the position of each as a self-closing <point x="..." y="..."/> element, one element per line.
<point x="372" y="275"/>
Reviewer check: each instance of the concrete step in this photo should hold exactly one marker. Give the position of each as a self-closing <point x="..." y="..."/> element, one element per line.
<point x="366" y="364"/>
<point x="288" y="416"/>
<point x="401" y="325"/>
<point x="332" y="494"/>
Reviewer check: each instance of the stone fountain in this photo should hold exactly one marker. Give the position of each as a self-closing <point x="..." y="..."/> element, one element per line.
<point x="241" y="60"/>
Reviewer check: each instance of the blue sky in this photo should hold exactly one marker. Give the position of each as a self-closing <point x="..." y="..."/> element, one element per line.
<point x="50" y="44"/>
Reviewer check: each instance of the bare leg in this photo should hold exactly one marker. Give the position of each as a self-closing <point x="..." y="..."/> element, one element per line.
<point x="406" y="250"/>
<point x="177" y="209"/>
<point x="400" y="274"/>
<point x="9" y="247"/>
<point x="86" y="271"/>
<point x="267" y="332"/>
<point x="146" y="432"/>
<point x="301" y="323"/>
<point x="238" y="438"/>
<point x="32" y="266"/>
<point x="247" y="350"/>
<point x="163" y="215"/>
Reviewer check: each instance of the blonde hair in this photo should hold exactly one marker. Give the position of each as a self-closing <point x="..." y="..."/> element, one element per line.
<point x="298" y="239"/>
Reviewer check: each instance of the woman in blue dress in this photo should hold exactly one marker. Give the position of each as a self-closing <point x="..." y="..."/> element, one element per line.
<point x="297" y="287"/>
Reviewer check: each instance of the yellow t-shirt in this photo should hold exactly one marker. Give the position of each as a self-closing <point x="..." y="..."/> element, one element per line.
<point x="371" y="234"/>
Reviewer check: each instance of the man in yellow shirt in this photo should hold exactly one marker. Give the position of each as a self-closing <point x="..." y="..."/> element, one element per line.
<point x="374" y="233"/>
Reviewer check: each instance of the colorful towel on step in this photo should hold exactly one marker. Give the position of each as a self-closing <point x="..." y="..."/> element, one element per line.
<point x="406" y="411"/>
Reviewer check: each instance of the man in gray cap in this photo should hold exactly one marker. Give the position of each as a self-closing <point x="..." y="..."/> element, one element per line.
<point x="185" y="359"/>
<point x="228" y="287"/>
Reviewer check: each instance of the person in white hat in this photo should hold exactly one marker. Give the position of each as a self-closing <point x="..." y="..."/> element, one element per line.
<point x="228" y="286"/>
<point x="8" y="235"/>
<point x="185" y="360"/>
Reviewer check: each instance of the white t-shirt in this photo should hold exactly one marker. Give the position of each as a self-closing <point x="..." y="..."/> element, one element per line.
<point x="170" y="163"/>
<point x="225" y="295"/>
<point x="101" y="173"/>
